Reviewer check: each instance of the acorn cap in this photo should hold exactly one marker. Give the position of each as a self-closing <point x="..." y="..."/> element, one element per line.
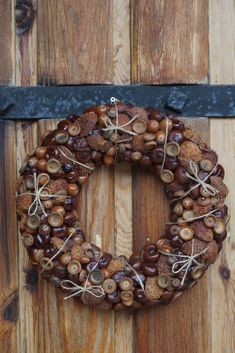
<point x="61" y="137"/>
<point x="150" y="145"/>
<point x="96" y="277"/>
<point x="74" y="129"/>
<point x="127" y="297"/>
<point x="188" y="214"/>
<point x="167" y="176"/>
<point x="206" y="164"/>
<point x="197" y="272"/>
<point x="136" y="156"/>
<point x="163" y="281"/>
<point x="33" y="222"/>
<point x="176" y="282"/>
<point x="53" y="166"/>
<point x="74" y="267"/>
<point x="109" y="286"/>
<point x="186" y="232"/>
<point x="172" y="149"/>
<point x="46" y="264"/>
<point x="55" y="219"/>
<point x="27" y="239"/>
<point x="139" y="126"/>
<point x="219" y="227"/>
<point x="126" y="284"/>
<point x="209" y="221"/>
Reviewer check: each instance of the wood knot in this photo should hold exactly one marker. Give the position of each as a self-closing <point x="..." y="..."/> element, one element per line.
<point x="225" y="272"/>
<point x="24" y="15"/>
<point x="10" y="311"/>
<point x="31" y="279"/>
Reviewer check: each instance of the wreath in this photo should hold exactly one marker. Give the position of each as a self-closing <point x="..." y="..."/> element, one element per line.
<point x="47" y="194"/>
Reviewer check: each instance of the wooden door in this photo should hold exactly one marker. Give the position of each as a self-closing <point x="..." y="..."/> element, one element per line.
<point x="121" y="42"/>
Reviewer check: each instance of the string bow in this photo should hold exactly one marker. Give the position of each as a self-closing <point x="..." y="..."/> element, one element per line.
<point x="116" y="127"/>
<point x="38" y="194"/>
<point x="185" y="262"/>
<point x="96" y="291"/>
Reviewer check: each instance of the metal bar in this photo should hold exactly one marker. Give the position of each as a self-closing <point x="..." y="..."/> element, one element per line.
<point x="43" y="102"/>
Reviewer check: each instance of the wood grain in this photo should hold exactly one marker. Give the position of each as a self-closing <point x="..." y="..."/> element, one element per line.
<point x="187" y="318"/>
<point x="6" y="41"/>
<point x="222" y="70"/>
<point x="169" y="41"/>
<point x="9" y="294"/>
<point x="75" y="41"/>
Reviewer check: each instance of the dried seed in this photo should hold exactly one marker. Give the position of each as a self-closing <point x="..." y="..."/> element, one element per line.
<point x="167" y="176"/>
<point x="172" y="149"/>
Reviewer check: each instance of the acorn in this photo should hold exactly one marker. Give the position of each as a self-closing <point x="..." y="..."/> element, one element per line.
<point x="139" y="126"/>
<point x="172" y="149"/>
<point x="33" y="222"/>
<point x="74" y="267"/>
<point x="109" y="286"/>
<point x="166" y="176"/>
<point x="74" y="130"/>
<point x="126" y="284"/>
<point x="186" y="232"/>
<point x="53" y="166"/>
<point x="61" y="137"/>
<point x="55" y="219"/>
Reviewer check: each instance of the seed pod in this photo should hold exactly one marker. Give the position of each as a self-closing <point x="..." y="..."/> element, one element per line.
<point x="167" y="176"/>
<point x="139" y="126"/>
<point x="58" y="243"/>
<point x="55" y="219"/>
<point x="96" y="277"/>
<point x="152" y="290"/>
<point x="61" y="137"/>
<point x="201" y="231"/>
<point x="109" y="286"/>
<point x="197" y="272"/>
<point x="74" y="130"/>
<point x="186" y="232"/>
<point x="163" y="281"/>
<point x="172" y="149"/>
<point x="24" y="202"/>
<point x="116" y="265"/>
<point x="219" y="227"/>
<point x="33" y="222"/>
<point x="189" y="151"/>
<point x="126" y="284"/>
<point x="210" y="221"/>
<point x="136" y="156"/>
<point x="53" y="166"/>
<point x="77" y="252"/>
<point x="74" y="267"/>
<point x="206" y="164"/>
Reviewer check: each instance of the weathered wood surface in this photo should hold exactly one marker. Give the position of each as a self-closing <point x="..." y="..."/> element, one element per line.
<point x="119" y="42"/>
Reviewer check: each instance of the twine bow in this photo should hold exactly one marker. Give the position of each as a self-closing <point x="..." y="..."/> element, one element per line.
<point x="38" y="194"/>
<point x="206" y="187"/>
<point x="185" y="262"/>
<point x="96" y="291"/>
<point x="116" y="127"/>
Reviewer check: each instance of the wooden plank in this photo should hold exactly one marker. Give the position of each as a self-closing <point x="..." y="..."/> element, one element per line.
<point x="181" y="326"/>
<point x="169" y="41"/>
<point x="6" y="41"/>
<point x="222" y="71"/>
<point x="9" y="294"/>
<point x="75" y="42"/>
<point x="122" y="172"/>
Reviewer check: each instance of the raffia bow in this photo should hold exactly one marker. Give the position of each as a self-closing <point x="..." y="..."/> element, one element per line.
<point x="96" y="291"/>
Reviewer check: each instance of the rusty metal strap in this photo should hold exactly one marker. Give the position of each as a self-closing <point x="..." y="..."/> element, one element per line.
<point x="44" y="102"/>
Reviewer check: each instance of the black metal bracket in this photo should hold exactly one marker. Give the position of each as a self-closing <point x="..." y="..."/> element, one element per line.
<point x="44" y="102"/>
